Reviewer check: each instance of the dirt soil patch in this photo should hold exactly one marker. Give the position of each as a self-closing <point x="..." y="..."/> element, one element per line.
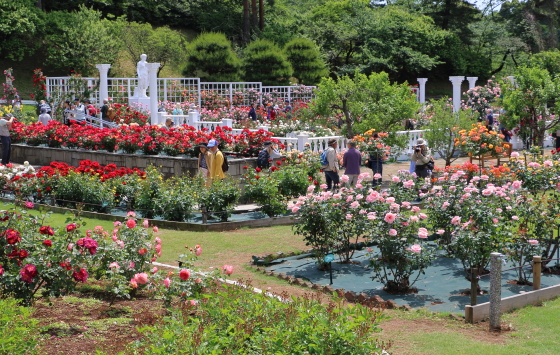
<point x="81" y="324"/>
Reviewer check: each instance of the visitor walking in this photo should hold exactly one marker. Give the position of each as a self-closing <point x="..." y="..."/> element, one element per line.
<point x="266" y="155"/>
<point x="216" y="162"/>
<point x="203" y="158"/>
<point x="490" y="120"/>
<point x="375" y="163"/>
<point x="422" y="157"/>
<point x="253" y="113"/>
<point x="351" y="161"/>
<point x="331" y="168"/>
<point x="68" y="115"/>
<point x="5" y="127"/>
<point x="44" y="117"/>
<point x="104" y="110"/>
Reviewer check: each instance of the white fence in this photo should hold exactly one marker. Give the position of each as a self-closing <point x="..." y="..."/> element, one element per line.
<point x="183" y="90"/>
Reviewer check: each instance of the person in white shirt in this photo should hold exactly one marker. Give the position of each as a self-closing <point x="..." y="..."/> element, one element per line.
<point x="5" y="127"/>
<point x="44" y="117"/>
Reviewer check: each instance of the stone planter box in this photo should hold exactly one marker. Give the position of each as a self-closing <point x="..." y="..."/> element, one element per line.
<point x="169" y="166"/>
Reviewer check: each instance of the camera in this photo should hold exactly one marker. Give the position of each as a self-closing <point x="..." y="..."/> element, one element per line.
<point x="418" y="148"/>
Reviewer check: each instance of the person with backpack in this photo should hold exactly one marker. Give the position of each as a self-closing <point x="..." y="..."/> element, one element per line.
<point x="215" y="162"/>
<point x="266" y="155"/>
<point x="329" y="164"/>
<point x="104" y="109"/>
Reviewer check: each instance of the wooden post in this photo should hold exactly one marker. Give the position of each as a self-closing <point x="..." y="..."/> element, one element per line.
<point x="537" y="262"/>
<point x="474" y="285"/>
<point x="495" y="290"/>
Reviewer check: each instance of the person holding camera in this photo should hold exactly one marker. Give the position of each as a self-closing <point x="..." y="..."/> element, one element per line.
<point x="423" y="158"/>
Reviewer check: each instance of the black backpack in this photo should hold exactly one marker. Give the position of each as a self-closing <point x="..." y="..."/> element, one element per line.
<point x="262" y="159"/>
<point x="225" y="165"/>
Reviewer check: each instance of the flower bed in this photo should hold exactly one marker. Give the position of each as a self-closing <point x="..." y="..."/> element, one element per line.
<point x="472" y="212"/>
<point x="150" y="140"/>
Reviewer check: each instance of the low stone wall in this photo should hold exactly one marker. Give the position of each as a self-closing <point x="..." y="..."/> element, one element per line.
<point x="169" y="166"/>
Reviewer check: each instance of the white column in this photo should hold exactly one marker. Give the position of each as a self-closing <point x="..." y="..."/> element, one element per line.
<point x="161" y="117"/>
<point x="495" y="290"/>
<point x="227" y="122"/>
<point x="103" y="87"/>
<point x="301" y="140"/>
<point x="422" y="88"/>
<point x="456" y="81"/>
<point x="472" y="81"/>
<point x="152" y="75"/>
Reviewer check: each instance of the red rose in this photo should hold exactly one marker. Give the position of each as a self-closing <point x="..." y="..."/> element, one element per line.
<point x="47" y="243"/>
<point x="258" y="170"/>
<point x="71" y="227"/>
<point x="28" y="272"/>
<point x="12" y="236"/>
<point x="80" y="275"/>
<point x="46" y="230"/>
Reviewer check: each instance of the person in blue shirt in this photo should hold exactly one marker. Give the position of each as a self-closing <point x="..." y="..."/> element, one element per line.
<point x="253" y="113"/>
<point x="490" y="121"/>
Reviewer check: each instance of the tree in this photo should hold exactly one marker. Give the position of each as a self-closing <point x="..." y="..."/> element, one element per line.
<point x="527" y="104"/>
<point x="265" y="62"/>
<point x="443" y="126"/>
<point x="20" y="21"/>
<point x="550" y="61"/>
<point x="305" y="58"/>
<point x="80" y="40"/>
<point x="366" y="102"/>
<point x="162" y="45"/>
<point x="211" y="58"/>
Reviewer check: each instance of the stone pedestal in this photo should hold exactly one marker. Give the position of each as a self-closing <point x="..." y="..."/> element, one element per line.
<point x="456" y="81"/>
<point x="143" y="102"/>
<point x="103" y="87"/>
<point x="472" y="81"/>
<point x="422" y="88"/>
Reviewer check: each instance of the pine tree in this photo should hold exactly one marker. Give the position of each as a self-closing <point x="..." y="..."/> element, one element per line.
<point x="211" y="58"/>
<point x="306" y="61"/>
<point x="266" y="63"/>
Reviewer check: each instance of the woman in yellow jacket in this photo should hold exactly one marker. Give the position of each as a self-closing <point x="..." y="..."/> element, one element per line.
<point x="216" y="160"/>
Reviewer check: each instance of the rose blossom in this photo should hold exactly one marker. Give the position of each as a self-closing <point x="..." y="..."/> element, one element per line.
<point x="323" y="186"/>
<point x="117" y="224"/>
<point x="349" y="216"/>
<point x="197" y="250"/>
<point x="133" y="283"/>
<point x="28" y="272"/>
<point x="344" y="178"/>
<point x="227" y="269"/>
<point x="131" y="223"/>
<point x="71" y="227"/>
<point x="167" y="282"/>
<point x="440" y="231"/>
<point x="145" y="223"/>
<point x="415" y="248"/>
<point x="355" y="204"/>
<point x="80" y="275"/>
<point x="514" y="154"/>
<point x="141" y="278"/>
<point x="295" y="209"/>
<point x="114" y="264"/>
<point x="456" y="220"/>
<point x="390" y="217"/>
<point x="47" y="243"/>
<point x="131" y="214"/>
<point x="185" y="274"/>
<point x="154" y="270"/>
<point x="392" y="232"/>
<point x="155" y="229"/>
<point x="515" y="218"/>
<point x="533" y="242"/>
<point x="46" y="230"/>
<point x="422" y="233"/>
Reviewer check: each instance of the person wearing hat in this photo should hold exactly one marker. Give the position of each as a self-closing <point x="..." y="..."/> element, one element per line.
<point x="215" y="162"/>
<point x="5" y="127"/>
<point x="331" y="169"/>
<point x="44" y="117"/>
<point x="203" y="158"/>
<point x="169" y="123"/>
<point x="421" y="157"/>
<point x="268" y="153"/>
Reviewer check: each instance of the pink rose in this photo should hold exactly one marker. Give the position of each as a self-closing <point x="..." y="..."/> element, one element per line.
<point x="167" y="282"/>
<point x="117" y="223"/>
<point x="141" y="278"/>
<point x="114" y="265"/>
<point x="155" y="229"/>
<point x="344" y="178"/>
<point x="295" y="209"/>
<point x="415" y="248"/>
<point x="533" y="242"/>
<point x="154" y="270"/>
<point x="349" y="217"/>
<point x="515" y="218"/>
<point x="131" y="214"/>
<point x="158" y="240"/>
<point x="392" y="232"/>
<point x="227" y="269"/>
<point x="133" y="283"/>
<point x="198" y="251"/>
<point x="390" y="217"/>
<point x="145" y="223"/>
<point x="456" y="220"/>
<point x="355" y="204"/>
<point x="423" y="233"/>
<point x="131" y="223"/>
<point x="440" y="232"/>
<point x="323" y="186"/>
<point x="516" y="185"/>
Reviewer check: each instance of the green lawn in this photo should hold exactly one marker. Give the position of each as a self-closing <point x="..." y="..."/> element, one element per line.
<point x="536" y="329"/>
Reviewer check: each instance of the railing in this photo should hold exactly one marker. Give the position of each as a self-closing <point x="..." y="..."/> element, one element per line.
<point x="92" y="120"/>
<point x="185" y="90"/>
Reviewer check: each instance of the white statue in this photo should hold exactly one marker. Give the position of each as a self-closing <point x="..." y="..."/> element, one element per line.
<point x="142" y="71"/>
